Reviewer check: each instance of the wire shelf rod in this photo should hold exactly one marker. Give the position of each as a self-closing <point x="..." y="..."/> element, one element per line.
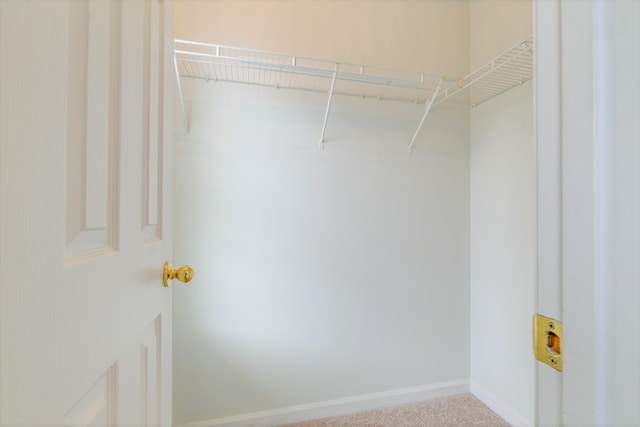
<point x="323" y="91"/>
<point x="344" y="76"/>
<point x="500" y="82"/>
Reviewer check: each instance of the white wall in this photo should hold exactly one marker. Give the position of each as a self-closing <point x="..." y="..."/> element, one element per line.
<point x="503" y="257"/>
<point x="429" y="36"/>
<point x="495" y="26"/>
<point x="319" y="274"/>
<point x="503" y="222"/>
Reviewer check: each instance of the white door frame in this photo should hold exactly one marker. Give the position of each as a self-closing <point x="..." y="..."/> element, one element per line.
<point x="547" y="127"/>
<point x="587" y="91"/>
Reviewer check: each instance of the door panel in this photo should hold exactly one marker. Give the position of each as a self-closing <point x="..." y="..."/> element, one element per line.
<point x="153" y="118"/>
<point x="93" y="137"/>
<point x="98" y="405"/>
<point x="151" y="373"/>
<point x="84" y="215"/>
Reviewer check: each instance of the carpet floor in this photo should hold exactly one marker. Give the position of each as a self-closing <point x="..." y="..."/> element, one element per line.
<point x="459" y="410"/>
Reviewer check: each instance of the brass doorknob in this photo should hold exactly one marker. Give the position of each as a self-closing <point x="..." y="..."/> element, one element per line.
<point x="183" y="274"/>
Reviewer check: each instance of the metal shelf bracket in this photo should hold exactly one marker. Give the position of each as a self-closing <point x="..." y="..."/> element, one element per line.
<point x="424" y="116"/>
<point x="184" y="111"/>
<point x="326" y="113"/>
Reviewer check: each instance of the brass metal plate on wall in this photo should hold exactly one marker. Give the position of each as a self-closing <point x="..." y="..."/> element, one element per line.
<point x="547" y="341"/>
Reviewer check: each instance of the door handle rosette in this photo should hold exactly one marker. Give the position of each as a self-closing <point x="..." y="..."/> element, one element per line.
<point x="183" y="274"/>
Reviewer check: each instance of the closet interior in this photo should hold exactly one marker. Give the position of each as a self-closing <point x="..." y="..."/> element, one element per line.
<point x="363" y="235"/>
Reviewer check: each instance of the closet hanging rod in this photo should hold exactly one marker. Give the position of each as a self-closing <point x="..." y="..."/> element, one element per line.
<point x="311" y="72"/>
<point x="252" y="64"/>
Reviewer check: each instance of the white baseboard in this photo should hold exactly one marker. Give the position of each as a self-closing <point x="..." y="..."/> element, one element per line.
<point x="498" y="406"/>
<point x="332" y="408"/>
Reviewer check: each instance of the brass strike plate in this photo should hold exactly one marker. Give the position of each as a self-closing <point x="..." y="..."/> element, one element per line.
<point x="547" y="341"/>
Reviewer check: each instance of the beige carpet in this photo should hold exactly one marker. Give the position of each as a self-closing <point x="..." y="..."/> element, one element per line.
<point x="459" y="410"/>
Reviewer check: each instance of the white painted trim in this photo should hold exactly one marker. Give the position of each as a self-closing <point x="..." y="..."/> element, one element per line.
<point x="498" y="406"/>
<point x="331" y="408"/>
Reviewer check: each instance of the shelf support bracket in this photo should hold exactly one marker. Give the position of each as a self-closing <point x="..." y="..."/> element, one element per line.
<point x="424" y="116"/>
<point x="184" y="111"/>
<point x="326" y="113"/>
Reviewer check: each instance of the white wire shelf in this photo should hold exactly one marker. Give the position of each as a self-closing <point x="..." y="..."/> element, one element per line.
<point x="511" y="68"/>
<point x="231" y="64"/>
<point x="238" y="65"/>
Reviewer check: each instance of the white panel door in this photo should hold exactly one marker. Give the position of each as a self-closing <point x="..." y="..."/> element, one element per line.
<point x="85" y="218"/>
